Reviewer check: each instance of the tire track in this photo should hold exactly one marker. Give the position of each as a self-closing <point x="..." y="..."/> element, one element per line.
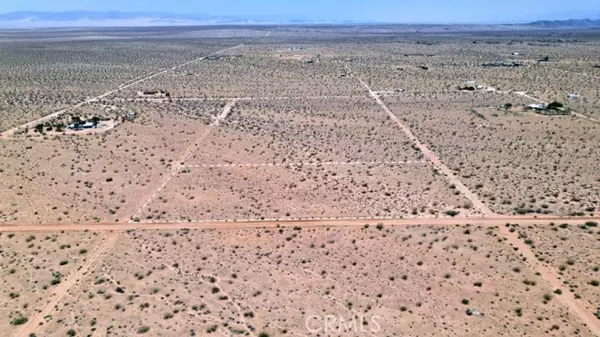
<point x="181" y="161"/>
<point x="62" y="289"/>
<point x="550" y="275"/>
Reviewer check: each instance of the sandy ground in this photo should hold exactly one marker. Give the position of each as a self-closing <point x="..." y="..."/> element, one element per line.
<point x="306" y="191"/>
<point x="416" y="280"/>
<point x="168" y="208"/>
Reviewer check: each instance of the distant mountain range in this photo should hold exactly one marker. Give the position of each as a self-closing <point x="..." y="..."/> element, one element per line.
<point x="583" y="23"/>
<point x="33" y="19"/>
<point x="96" y="16"/>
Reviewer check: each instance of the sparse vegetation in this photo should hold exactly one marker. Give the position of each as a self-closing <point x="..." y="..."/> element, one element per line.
<point x="306" y="141"/>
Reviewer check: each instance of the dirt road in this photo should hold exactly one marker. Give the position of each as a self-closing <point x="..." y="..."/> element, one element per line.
<point x="435" y="160"/>
<point x="349" y="222"/>
<point x="10" y="133"/>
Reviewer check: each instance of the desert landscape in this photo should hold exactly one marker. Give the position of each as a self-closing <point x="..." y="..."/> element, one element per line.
<point x="299" y="181"/>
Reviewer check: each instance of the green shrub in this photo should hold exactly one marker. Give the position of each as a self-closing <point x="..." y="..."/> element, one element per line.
<point x="555" y="105"/>
<point x="452" y="213"/>
<point x="143" y="329"/>
<point x="19" y="321"/>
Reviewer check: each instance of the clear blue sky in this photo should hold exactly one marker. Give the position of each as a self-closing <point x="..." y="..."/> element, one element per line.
<point x="368" y="10"/>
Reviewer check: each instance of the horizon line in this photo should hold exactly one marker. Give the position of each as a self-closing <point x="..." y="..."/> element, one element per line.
<point x="287" y="18"/>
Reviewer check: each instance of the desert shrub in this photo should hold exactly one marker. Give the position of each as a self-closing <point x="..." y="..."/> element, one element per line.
<point x="555" y="105"/>
<point x="19" y="321"/>
<point x="452" y="213"/>
<point x="143" y="329"/>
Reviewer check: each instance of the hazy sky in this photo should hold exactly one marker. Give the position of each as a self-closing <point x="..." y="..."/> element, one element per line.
<point x="367" y="10"/>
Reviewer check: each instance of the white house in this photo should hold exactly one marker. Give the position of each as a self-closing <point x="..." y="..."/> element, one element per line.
<point x="537" y="106"/>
